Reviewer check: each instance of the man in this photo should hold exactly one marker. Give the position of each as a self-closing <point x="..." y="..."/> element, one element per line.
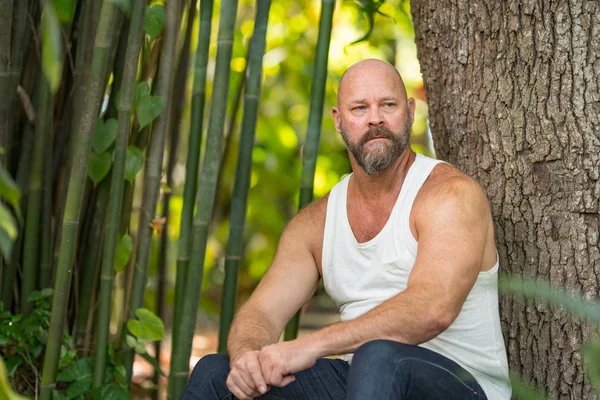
<point x="405" y="246"/>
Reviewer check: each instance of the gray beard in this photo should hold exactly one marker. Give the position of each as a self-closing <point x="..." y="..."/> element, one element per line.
<point x="381" y="155"/>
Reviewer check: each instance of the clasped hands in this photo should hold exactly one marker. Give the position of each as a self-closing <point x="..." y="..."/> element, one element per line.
<point x="254" y="372"/>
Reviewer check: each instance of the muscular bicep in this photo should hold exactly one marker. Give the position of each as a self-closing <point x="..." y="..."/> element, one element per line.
<point x="452" y="235"/>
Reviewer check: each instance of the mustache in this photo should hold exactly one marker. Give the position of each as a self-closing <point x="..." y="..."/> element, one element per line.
<point x="377" y="131"/>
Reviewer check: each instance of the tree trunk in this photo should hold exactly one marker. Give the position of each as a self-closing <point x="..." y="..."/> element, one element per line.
<point x="513" y="89"/>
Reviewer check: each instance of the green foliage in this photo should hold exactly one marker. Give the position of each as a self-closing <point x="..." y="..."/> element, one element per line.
<point x="148" y="327"/>
<point x="51" y="46"/>
<point x="98" y="166"/>
<point x="124" y="6"/>
<point x="154" y="20"/>
<point x="133" y="162"/>
<point x="22" y="341"/>
<point x="369" y="8"/>
<point x="123" y="252"/>
<point x="105" y="135"/>
<point x="148" y="108"/>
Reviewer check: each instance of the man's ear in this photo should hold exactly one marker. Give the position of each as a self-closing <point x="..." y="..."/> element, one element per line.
<point x="336" y="118"/>
<point x="411" y="105"/>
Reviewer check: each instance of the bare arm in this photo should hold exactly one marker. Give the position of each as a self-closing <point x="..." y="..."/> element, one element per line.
<point x="288" y="284"/>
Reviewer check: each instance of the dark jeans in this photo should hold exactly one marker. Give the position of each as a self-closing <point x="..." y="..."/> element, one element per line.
<point x="381" y="370"/>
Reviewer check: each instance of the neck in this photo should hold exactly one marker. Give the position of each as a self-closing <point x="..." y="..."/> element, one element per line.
<point x="389" y="182"/>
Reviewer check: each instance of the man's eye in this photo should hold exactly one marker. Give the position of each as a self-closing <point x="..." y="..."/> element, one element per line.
<point x="360" y="108"/>
<point x="388" y="105"/>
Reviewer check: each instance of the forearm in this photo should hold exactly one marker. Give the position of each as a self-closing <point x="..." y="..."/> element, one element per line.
<point x="251" y="330"/>
<point x="404" y="318"/>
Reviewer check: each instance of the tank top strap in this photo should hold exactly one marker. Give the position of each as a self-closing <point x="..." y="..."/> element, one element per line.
<point x="416" y="177"/>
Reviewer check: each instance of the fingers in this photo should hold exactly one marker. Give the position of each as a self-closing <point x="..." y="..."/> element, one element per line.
<point x="287" y="380"/>
<point x="245" y="379"/>
<point x="256" y="374"/>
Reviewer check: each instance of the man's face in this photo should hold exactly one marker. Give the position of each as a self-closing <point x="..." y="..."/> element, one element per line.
<point x="378" y="148"/>
<point x="373" y="115"/>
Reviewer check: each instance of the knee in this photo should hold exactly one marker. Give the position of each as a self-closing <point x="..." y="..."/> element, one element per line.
<point x="210" y="369"/>
<point x="380" y="352"/>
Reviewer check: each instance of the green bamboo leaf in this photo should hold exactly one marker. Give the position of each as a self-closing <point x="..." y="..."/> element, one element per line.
<point x="149" y="326"/>
<point x="148" y="109"/>
<point x="46" y="292"/>
<point x="545" y="291"/>
<point x="98" y="166"/>
<point x="133" y="163"/>
<point x="154" y="20"/>
<point x="110" y="392"/>
<point x="123" y="252"/>
<point x="51" y="47"/>
<point x="9" y="190"/>
<point x="105" y="135"/>
<point x="79" y="369"/>
<point x="64" y="10"/>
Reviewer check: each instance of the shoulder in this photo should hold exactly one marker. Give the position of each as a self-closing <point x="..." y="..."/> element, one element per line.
<point x="449" y="191"/>
<point x="309" y="223"/>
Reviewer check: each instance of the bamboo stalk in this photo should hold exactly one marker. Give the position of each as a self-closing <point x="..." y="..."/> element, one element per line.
<point x="89" y="269"/>
<point x="178" y="103"/>
<point x="153" y="169"/>
<point x="18" y="46"/>
<point x="134" y="42"/>
<point x="46" y="240"/>
<point x="206" y="197"/>
<point x="243" y="171"/>
<point x="103" y="44"/>
<point x="6" y="80"/>
<point x="34" y="202"/>
<point x="193" y="160"/>
<point x="313" y="134"/>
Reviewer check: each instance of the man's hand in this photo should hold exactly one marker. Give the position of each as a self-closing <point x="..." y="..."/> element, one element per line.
<point x="245" y="379"/>
<point x="279" y="361"/>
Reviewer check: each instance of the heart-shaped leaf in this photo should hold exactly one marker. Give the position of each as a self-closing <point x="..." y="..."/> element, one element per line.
<point x="148" y="327"/>
<point x="79" y="369"/>
<point x="98" y="166"/>
<point x="123" y="252"/>
<point x="105" y="135"/>
<point x="148" y="109"/>
<point x="133" y="162"/>
<point x="141" y="90"/>
<point x="154" y="20"/>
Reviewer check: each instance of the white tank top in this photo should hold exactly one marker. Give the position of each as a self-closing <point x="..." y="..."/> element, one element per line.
<point x="360" y="276"/>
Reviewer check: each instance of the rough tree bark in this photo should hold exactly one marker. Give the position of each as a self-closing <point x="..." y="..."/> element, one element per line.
<point x="513" y="91"/>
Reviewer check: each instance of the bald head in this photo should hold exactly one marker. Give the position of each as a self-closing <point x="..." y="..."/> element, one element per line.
<point x="367" y="71"/>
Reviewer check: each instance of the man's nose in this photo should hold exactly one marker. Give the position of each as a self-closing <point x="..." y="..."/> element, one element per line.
<point x="375" y="118"/>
